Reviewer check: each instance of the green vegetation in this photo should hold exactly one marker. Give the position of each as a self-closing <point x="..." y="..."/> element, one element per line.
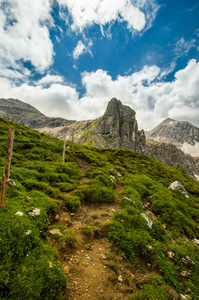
<point x="29" y="265"/>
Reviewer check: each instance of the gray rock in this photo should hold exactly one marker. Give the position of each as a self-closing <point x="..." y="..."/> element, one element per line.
<point x="176" y="185"/>
<point x="149" y="222"/>
<point x="34" y="212"/>
<point x="196" y="241"/>
<point x="118" y="128"/>
<point x="187" y="261"/>
<point x="185" y="273"/>
<point x="185" y="297"/>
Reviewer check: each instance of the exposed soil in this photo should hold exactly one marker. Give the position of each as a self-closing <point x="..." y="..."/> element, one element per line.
<point x="94" y="267"/>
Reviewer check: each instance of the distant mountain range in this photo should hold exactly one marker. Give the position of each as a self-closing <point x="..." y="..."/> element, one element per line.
<point x="117" y="128"/>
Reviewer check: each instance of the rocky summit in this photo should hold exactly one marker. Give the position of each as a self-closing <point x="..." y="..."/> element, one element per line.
<point x="118" y="128"/>
<point x="182" y="134"/>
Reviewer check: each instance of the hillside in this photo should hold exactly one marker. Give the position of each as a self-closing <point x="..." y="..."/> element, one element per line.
<point x="117" y="128"/>
<point x="104" y="223"/>
<point x="182" y="134"/>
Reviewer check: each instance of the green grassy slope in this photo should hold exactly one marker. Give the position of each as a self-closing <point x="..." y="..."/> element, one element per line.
<point x="29" y="266"/>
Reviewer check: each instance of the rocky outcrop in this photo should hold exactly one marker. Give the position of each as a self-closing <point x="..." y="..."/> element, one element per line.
<point x="182" y="134"/>
<point x="171" y="156"/>
<point x="119" y="129"/>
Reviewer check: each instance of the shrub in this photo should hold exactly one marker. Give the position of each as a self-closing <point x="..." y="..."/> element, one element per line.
<point x="150" y="292"/>
<point x="71" y="202"/>
<point x="97" y="194"/>
<point x="71" y="169"/>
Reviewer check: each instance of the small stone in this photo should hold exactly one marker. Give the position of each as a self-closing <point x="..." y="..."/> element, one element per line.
<point x="195" y="241"/>
<point x="66" y="269"/>
<point x="148" y="265"/>
<point x="171" y="254"/>
<point x="57" y="217"/>
<point x="188" y="261"/>
<point x="149" y="222"/>
<point x="19" y="213"/>
<point x="120" y="278"/>
<point x="185" y="297"/>
<point x="55" y="231"/>
<point x="185" y="274"/>
<point x="34" y="212"/>
<point x="28" y="232"/>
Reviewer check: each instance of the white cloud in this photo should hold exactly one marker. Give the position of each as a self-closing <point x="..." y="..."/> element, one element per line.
<point x="56" y="101"/>
<point x="24" y="34"/>
<point x="81" y="48"/>
<point x="182" y="47"/>
<point x="49" y="79"/>
<point x="152" y="99"/>
<point x="87" y="13"/>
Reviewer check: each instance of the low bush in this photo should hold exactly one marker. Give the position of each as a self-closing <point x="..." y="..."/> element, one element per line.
<point x="98" y="194"/>
<point x="150" y="292"/>
<point x="71" y="201"/>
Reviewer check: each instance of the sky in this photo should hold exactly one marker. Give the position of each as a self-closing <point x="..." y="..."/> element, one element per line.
<point x="69" y="58"/>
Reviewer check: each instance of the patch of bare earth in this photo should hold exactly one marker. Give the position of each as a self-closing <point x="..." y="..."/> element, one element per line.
<point x="94" y="267"/>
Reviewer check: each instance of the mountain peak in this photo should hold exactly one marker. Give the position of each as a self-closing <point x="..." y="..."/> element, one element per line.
<point x="119" y="126"/>
<point x="180" y="133"/>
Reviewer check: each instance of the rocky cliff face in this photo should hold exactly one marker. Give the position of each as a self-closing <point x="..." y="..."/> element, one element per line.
<point x="171" y="156"/>
<point x="118" y="128"/>
<point x="182" y="134"/>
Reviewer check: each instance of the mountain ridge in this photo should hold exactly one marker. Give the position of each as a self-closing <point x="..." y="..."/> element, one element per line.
<point x="117" y="128"/>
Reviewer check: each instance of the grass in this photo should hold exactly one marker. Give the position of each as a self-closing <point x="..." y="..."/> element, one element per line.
<point x="29" y="265"/>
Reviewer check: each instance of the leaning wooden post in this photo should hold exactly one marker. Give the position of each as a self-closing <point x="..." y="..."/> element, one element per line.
<point x="64" y="149"/>
<point x="6" y="174"/>
<point x="73" y="136"/>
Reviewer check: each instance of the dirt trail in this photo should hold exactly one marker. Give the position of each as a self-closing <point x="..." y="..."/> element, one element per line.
<point x="95" y="269"/>
<point x="86" y="266"/>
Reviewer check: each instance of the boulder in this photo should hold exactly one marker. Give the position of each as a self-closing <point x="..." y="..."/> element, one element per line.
<point x="176" y="185"/>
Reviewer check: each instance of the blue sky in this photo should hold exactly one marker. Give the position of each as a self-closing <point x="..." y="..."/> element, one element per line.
<point x="68" y="58"/>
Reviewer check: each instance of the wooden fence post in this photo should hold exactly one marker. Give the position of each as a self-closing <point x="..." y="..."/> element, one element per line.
<point x="73" y="135"/>
<point x="64" y="149"/>
<point x="6" y="174"/>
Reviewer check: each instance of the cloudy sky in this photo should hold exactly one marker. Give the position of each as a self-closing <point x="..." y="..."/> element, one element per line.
<point x="68" y="58"/>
